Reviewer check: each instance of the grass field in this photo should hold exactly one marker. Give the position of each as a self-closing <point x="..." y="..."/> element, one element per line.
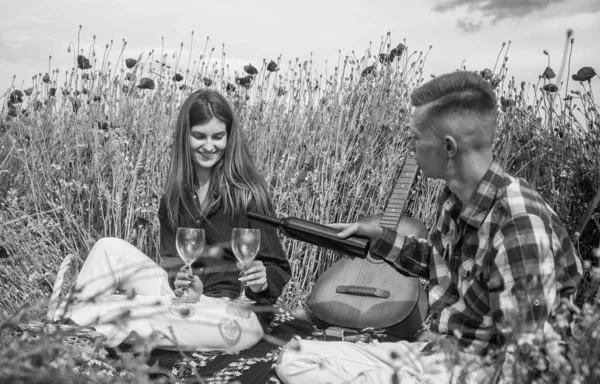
<point x="84" y="154"/>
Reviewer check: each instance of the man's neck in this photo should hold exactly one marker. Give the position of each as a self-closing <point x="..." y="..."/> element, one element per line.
<point x="467" y="174"/>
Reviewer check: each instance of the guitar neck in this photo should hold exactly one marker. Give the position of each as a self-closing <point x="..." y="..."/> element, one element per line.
<point x="399" y="197"/>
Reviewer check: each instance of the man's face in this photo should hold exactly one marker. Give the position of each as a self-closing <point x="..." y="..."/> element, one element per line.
<point x="426" y="145"/>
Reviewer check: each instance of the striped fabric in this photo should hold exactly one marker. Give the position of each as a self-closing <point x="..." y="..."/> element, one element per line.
<point x="499" y="263"/>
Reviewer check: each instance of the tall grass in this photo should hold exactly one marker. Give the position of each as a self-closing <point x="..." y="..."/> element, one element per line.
<point x="86" y="153"/>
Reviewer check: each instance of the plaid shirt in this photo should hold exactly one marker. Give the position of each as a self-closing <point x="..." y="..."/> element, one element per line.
<point x="501" y="260"/>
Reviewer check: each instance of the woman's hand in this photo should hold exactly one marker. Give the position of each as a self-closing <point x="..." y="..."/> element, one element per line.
<point x="373" y="232"/>
<point x="185" y="281"/>
<point x="255" y="276"/>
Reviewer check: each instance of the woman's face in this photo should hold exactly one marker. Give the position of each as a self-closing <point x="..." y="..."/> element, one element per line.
<point x="208" y="143"/>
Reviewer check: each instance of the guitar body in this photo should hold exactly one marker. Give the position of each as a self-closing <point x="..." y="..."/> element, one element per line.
<point x="361" y="293"/>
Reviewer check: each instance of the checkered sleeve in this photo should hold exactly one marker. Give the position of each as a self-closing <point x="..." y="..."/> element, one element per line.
<point x="405" y="253"/>
<point x="522" y="280"/>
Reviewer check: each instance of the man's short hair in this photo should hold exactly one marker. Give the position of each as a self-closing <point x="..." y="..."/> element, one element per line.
<point x="458" y="92"/>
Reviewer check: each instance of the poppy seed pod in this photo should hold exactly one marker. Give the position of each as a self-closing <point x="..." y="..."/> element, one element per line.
<point x="146" y="83"/>
<point x="207" y="81"/>
<point x="16" y="96"/>
<point x="550" y="88"/>
<point x="177" y="77"/>
<point x="83" y="62"/>
<point x="130" y="63"/>
<point x="548" y="73"/>
<point x="586" y="73"/>
<point x="250" y="69"/>
<point x="46" y="78"/>
<point x="28" y="91"/>
<point x="486" y="74"/>
<point x="272" y="66"/>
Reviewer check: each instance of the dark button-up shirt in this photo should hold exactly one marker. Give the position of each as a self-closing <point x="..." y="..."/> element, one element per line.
<point x="220" y="274"/>
<point x="501" y="260"/>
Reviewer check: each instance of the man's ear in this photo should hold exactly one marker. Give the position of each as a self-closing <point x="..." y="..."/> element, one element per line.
<point x="450" y="145"/>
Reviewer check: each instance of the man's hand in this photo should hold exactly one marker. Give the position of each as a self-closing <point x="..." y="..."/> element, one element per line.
<point x="255" y="275"/>
<point x="185" y="281"/>
<point x="373" y="232"/>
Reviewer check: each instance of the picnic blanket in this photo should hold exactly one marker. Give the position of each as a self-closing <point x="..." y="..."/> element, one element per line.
<point x="255" y="365"/>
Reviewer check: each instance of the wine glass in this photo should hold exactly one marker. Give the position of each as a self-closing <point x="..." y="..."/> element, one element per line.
<point x="190" y="243"/>
<point x="245" y="243"/>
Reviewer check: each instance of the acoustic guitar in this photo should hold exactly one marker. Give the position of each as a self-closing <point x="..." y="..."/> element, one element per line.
<point x="360" y="293"/>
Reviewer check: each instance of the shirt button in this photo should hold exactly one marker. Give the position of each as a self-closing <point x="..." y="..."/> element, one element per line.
<point x="536" y="302"/>
<point x="201" y="269"/>
<point x="434" y="316"/>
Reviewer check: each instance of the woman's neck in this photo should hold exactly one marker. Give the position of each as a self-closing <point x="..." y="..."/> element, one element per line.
<point x="203" y="177"/>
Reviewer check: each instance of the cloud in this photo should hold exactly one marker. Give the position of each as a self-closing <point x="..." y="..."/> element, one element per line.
<point x="485" y="12"/>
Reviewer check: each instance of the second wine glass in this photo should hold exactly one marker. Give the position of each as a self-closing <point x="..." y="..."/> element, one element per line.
<point x="245" y="243"/>
<point x="190" y="243"/>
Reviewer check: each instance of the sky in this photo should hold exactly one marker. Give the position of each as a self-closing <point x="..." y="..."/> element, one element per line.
<point x="458" y="30"/>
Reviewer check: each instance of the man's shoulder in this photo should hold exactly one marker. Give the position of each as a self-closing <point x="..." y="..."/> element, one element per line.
<point x="518" y="197"/>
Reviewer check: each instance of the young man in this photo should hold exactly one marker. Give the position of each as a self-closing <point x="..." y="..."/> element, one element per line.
<point x="497" y="259"/>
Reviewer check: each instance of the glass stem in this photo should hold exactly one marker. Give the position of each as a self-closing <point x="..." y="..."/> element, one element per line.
<point x="243" y="291"/>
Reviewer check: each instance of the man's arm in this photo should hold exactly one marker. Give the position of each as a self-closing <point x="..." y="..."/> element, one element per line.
<point x="405" y="253"/>
<point x="522" y="280"/>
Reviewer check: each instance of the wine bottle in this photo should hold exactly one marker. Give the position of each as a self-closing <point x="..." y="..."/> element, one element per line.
<point x="317" y="234"/>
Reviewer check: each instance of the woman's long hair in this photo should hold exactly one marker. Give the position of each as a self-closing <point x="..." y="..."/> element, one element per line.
<point x="235" y="182"/>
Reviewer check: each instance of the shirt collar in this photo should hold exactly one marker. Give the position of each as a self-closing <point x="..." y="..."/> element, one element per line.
<point x="475" y="212"/>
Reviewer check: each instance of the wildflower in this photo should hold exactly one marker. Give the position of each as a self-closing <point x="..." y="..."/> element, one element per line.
<point x="548" y="73"/>
<point x="585" y="73"/>
<point x="250" y="69"/>
<point x="83" y="62"/>
<point x="486" y="74"/>
<point x="207" y="81"/>
<point x="495" y="81"/>
<point x="97" y="98"/>
<point x="130" y="77"/>
<point x="177" y="77"/>
<point x="368" y="71"/>
<point x="272" y="66"/>
<point x="244" y="81"/>
<point x="398" y="50"/>
<point x="182" y="87"/>
<point x="46" y="78"/>
<point x="125" y="89"/>
<point x="16" y="96"/>
<point x="85" y="76"/>
<point x="230" y="87"/>
<point x="386" y="59"/>
<point x="550" y="88"/>
<point x="130" y="63"/>
<point x="281" y="91"/>
<point x="84" y="91"/>
<point x="52" y="91"/>
<point x="146" y="83"/>
<point x="28" y="91"/>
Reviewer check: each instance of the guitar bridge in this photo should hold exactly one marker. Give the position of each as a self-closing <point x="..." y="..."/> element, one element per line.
<point x="357" y="290"/>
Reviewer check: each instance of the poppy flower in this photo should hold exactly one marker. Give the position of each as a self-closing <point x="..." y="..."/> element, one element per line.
<point x="84" y="91"/>
<point x="486" y="74"/>
<point x="130" y="77"/>
<point x="272" y="66"/>
<point x="85" y="76"/>
<point x="281" y="91"/>
<point x="398" y="50"/>
<point x="130" y="63"/>
<point x="28" y="91"/>
<point x="66" y="92"/>
<point x="550" y="88"/>
<point x="182" y="87"/>
<point x="16" y="96"/>
<point x="386" y="59"/>
<point x="207" y="81"/>
<point x="83" y="62"/>
<point x="52" y="91"/>
<point x="548" y="73"/>
<point x="97" y="98"/>
<point x="46" y="78"/>
<point x="244" y="81"/>
<point x="230" y="87"/>
<point x="506" y="103"/>
<point x="177" y="77"/>
<point x="103" y="126"/>
<point x="146" y="83"/>
<point x="576" y="78"/>
<point x="495" y="81"/>
<point x="368" y="70"/>
<point x="125" y="89"/>
<point x="250" y="69"/>
<point x="586" y="73"/>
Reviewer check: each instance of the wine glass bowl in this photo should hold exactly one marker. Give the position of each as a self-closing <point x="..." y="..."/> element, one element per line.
<point x="245" y="243"/>
<point x="190" y="243"/>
